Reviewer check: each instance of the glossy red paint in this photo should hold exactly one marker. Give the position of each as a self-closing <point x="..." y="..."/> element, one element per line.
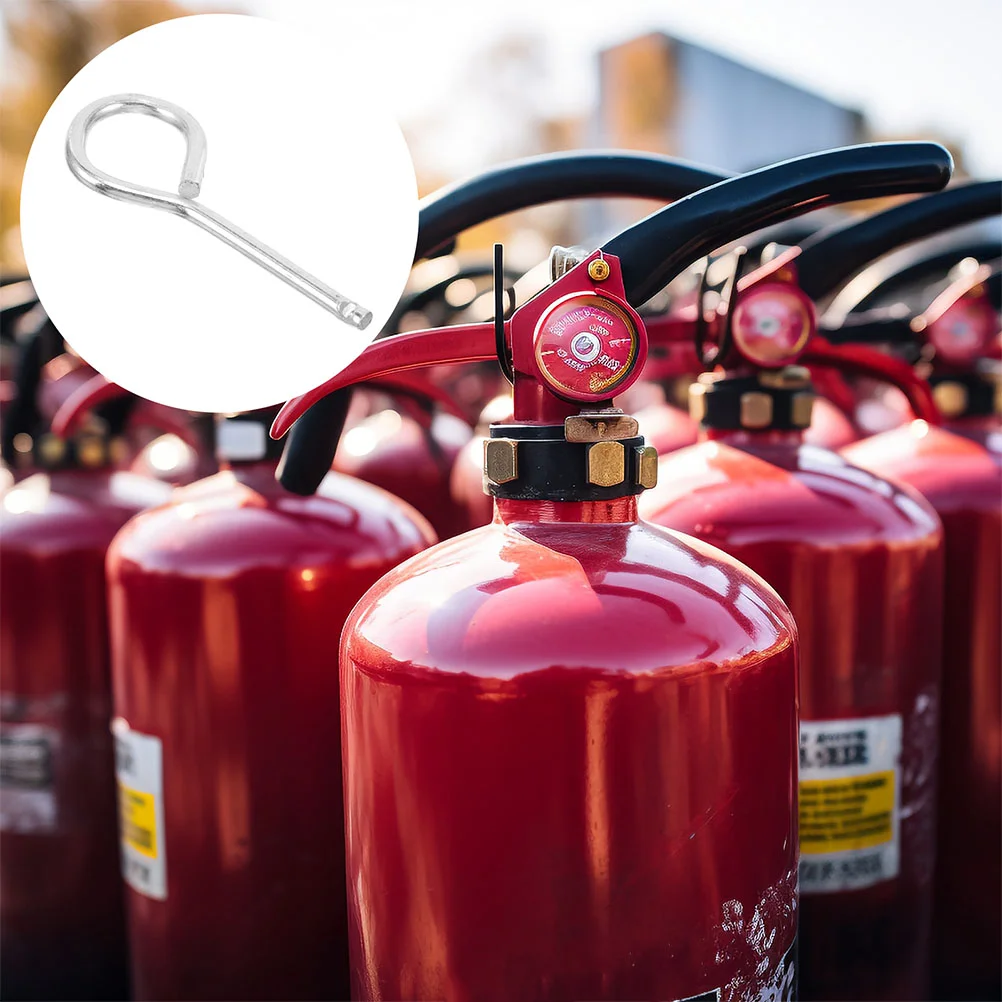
<point x="964" y="484"/>
<point x="410" y="459"/>
<point x="985" y="429"/>
<point x="553" y="726"/>
<point x="830" y="428"/>
<point x="62" y="931"/>
<point x="667" y="428"/>
<point x="226" y="607"/>
<point x="859" y="563"/>
<point x="466" y="483"/>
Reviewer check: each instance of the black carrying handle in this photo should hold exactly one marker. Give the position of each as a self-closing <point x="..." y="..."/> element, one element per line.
<point x="929" y="269"/>
<point x="39" y="346"/>
<point x="890" y="325"/>
<point x="553" y="177"/>
<point x="827" y="260"/>
<point x="652" y="252"/>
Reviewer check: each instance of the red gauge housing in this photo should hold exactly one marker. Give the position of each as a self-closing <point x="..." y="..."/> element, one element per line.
<point x="963" y="482"/>
<point x="859" y="563"/>
<point x="226" y="606"/>
<point x="62" y="927"/>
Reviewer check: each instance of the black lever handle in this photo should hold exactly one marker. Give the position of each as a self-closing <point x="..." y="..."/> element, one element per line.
<point x="552" y="178"/>
<point x="830" y="258"/>
<point x="655" y="250"/>
<point x="925" y="270"/>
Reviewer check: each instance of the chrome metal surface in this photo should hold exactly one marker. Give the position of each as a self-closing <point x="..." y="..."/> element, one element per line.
<point x="183" y="203"/>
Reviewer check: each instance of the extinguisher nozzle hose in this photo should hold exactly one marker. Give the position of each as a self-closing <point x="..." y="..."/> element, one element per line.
<point x="312" y="442"/>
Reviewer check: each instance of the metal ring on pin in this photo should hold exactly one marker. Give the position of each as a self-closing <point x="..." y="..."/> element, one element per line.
<point x="183" y="203"/>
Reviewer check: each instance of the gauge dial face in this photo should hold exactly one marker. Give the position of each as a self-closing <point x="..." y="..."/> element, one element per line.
<point x="772" y="324"/>
<point x="964" y="331"/>
<point x="586" y="347"/>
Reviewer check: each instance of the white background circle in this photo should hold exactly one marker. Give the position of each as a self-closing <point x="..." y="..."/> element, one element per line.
<point x="300" y="155"/>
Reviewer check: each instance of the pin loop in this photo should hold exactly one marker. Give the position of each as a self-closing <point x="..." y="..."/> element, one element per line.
<point x="189" y="186"/>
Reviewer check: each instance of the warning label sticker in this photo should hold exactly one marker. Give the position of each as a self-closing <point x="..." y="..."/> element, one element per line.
<point x="139" y="769"/>
<point x="27" y="790"/>
<point x="849" y="802"/>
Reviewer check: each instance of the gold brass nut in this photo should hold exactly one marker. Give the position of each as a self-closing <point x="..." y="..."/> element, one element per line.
<point x="606" y="464"/>
<point x="598" y="270"/>
<point x="801" y="409"/>
<point x="51" y="449"/>
<point x="951" y="398"/>
<point x="600" y="427"/>
<point x="647" y="467"/>
<point x="90" y="450"/>
<point x="500" y="460"/>
<point x="118" y="450"/>
<point x="790" y="377"/>
<point x="697" y="402"/>
<point x="756" y="410"/>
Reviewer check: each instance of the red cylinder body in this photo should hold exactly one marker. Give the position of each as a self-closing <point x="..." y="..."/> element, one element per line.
<point x="569" y="744"/>
<point x="466" y="483"/>
<point x="985" y="429"/>
<point x="859" y="563"/>
<point x="830" y="428"/>
<point x="61" y="917"/>
<point x="394" y="452"/>
<point x="226" y="606"/>
<point x="667" y="428"/>
<point x="964" y="484"/>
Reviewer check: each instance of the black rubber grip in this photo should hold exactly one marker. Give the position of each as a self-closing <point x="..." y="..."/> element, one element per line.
<point x="554" y="177"/>
<point x="655" y="250"/>
<point x="830" y="258"/>
<point x="880" y="326"/>
<point x="927" y="270"/>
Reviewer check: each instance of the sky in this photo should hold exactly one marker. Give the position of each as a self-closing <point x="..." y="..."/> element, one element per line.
<point x="910" y="65"/>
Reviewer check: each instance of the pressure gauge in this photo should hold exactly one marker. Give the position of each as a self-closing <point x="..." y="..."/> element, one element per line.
<point x="587" y="346"/>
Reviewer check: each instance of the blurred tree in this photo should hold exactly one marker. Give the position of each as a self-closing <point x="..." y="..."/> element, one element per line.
<point x="45" y="44"/>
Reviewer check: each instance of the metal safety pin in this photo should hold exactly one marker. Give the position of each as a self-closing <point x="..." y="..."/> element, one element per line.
<point x="183" y="203"/>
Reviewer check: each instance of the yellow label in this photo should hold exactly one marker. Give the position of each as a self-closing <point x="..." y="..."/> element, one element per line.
<point x="851" y="813"/>
<point x="138" y="818"/>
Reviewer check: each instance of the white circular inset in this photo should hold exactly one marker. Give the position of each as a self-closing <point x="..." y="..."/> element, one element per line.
<point x="585" y="347"/>
<point x="300" y="156"/>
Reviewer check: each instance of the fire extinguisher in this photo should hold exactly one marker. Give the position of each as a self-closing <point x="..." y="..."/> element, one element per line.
<point x="537" y="181"/>
<point x="223" y="606"/>
<point x="569" y="737"/>
<point x="960" y="476"/>
<point x="949" y="340"/>
<point x="859" y="563"/>
<point x="409" y="450"/>
<point x="62" y="931"/>
<point x="832" y="257"/>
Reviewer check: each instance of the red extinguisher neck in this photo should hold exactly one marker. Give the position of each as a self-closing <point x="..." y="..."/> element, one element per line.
<point x="617" y="511"/>
<point x="742" y="437"/>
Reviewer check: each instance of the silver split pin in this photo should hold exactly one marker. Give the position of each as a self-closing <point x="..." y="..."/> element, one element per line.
<point x="184" y="204"/>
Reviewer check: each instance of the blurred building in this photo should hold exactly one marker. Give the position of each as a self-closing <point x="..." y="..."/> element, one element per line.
<point x="663" y="95"/>
<point x="660" y="94"/>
